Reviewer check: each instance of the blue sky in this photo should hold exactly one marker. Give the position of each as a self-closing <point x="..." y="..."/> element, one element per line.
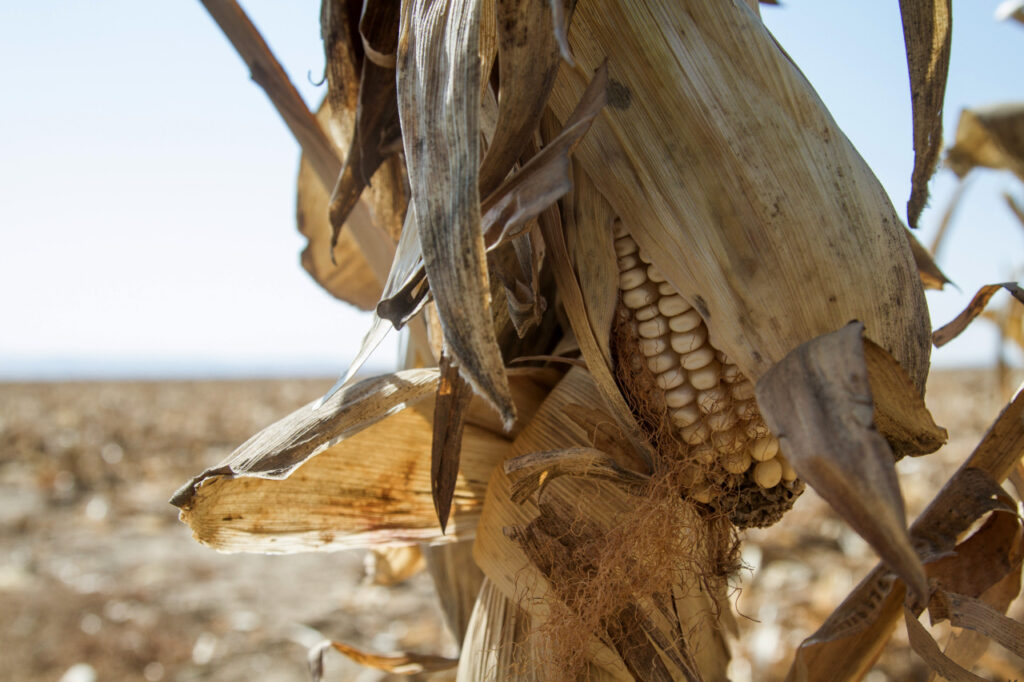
<point x="147" y="186"/>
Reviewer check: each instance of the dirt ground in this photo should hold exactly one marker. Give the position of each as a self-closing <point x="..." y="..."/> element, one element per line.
<point x="99" y="580"/>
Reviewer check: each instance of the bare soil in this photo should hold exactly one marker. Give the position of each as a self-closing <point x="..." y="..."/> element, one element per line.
<point x="99" y="580"/>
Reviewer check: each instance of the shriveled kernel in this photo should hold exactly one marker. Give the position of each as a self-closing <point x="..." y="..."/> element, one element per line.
<point x="756" y="428"/>
<point x="702" y="357"/>
<point x="685" y="416"/>
<point x="652" y="347"/>
<point x="721" y="421"/>
<point x="670" y="379"/>
<point x="666" y="289"/>
<point x="687" y="342"/>
<point x="694" y="433"/>
<point x="735" y="462"/>
<point x="788" y="472"/>
<point x="680" y="396"/>
<point x="652" y="328"/>
<point x="705" y="377"/>
<point x="684" y="322"/>
<point x="631" y="279"/>
<point x="743" y="390"/>
<point x="654" y="274"/>
<point x="648" y="312"/>
<point x="765" y="448"/>
<point x="670" y="306"/>
<point x="768" y="474"/>
<point x="701" y="494"/>
<point x="713" y="399"/>
<point x="641" y="297"/>
<point x="704" y="454"/>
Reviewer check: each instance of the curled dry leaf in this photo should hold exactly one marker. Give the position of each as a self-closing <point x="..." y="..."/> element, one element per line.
<point x="928" y="35"/>
<point x="927" y="648"/>
<point x="953" y="329"/>
<point x="305" y="482"/>
<point x="990" y="137"/>
<point x="818" y="402"/>
<point x="931" y="276"/>
<point x="393" y="564"/>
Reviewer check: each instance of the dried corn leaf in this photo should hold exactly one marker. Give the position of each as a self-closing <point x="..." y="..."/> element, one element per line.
<point x="757" y="208"/>
<point x="1010" y="9"/>
<point x="1015" y="207"/>
<point x="845" y="646"/>
<point x="398" y="664"/>
<point x="528" y="60"/>
<point x="974" y="614"/>
<point x="439" y="104"/>
<point x="818" y="402"/>
<point x="982" y="560"/>
<point x="306" y="482"/>
<point x="393" y="564"/>
<point x="457" y="580"/>
<point x="990" y="137"/>
<point x="953" y="329"/>
<point x="925" y="646"/>
<point x="967" y="646"/>
<point x="378" y="29"/>
<point x="900" y="413"/>
<point x="450" y="404"/>
<point x="928" y="34"/>
<point x="931" y="276"/>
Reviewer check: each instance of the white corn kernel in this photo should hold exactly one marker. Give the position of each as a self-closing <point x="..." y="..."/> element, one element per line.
<point x="721" y="421"/>
<point x="663" y="362"/>
<point x="765" y="448"/>
<point x="706" y="377"/>
<point x="685" y="416"/>
<point x="671" y="378"/>
<point x="654" y="274"/>
<point x="735" y="462"/>
<point x="652" y="328"/>
<point x="713" y="399"/>
<point x="685" y="321"/>
<point x="666" y="289"/>
<point x="648" y="312"/>
<point x="695" y="433"/>
<point x="704" y="454"/>
<point x="687" y="342"/>
<point x="628" y="262"/>
<point x="670" y="306"/>
<point x="624" y="246"/>
<point x="768" y="474"/>
<point x="702" y="357"/>
<point x="730" y="372"/>
<point x="730" y="442"/>
<point x="631" y="279"/>
<point x="701" y="494"/>
<point x="640" y="297"/>
<point x="680" y="396"/>
<point x="788" y="472"/>
<point x="652" y="347"/>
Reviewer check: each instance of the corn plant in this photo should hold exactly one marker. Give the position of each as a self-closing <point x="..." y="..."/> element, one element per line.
<point x="652" y="291"/>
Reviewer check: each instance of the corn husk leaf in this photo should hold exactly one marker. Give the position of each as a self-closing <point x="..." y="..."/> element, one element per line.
<point x="457" y="580"/>
<point x="392" y="564"/>
<point x="954" y="328"/>
<point x="928" y="35"/>
<point x="990" y="137"/>
<point x="757" y="208"/>
<point x="439" y="104"/>
<point x="848" y="643"/>
<point x="528" y="56"/>
<point x="818" y="402"/>
<point x="306" y="483"/>
<point x="496" y="645"/>
<point x="404" y="663"/>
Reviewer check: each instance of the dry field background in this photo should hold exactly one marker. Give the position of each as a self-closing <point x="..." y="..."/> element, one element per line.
<point x="99" y="581"/>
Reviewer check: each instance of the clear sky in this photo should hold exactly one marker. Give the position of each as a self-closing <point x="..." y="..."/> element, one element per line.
<point x="147" y="186"/>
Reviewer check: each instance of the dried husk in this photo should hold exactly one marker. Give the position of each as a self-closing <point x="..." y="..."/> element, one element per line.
<point x="757" y="208"/>
<point x="989" y="137"/>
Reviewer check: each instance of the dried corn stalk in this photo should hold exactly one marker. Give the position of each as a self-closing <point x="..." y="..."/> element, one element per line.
<point x="608" y="186"/>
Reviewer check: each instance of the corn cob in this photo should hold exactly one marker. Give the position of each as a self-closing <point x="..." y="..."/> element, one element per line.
<point x="735" y="464"/>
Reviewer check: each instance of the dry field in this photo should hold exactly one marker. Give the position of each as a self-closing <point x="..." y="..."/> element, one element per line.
<point x="99" y="581"/>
